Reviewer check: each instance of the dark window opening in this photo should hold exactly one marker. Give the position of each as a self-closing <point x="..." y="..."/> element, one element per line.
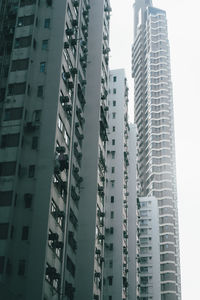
<point x="40" y="91"/>
<point x="20" y="64"/>
<point x="70" y="266"/>
<point x="4" y="227"/>
<point x="31" y="171"/>
<point x="2" y="263"/>
<point x="21" y="267"/>
<point x="10" y="140"/>
<point x="23" y="42"/>
<point x="6" y="198"/>
<point x="47" y="23"/>
<point x="28" y="200"/>
<point x="25" y="233"/>
<point x="13" y="114"/>
<point x="25" y="21"/>
<point x="34" y="145"/>
<point x="7" y="168"/>
<point x="110" y="280"/>
<point x="17" y="88"/>
<point x="27" y="2"/>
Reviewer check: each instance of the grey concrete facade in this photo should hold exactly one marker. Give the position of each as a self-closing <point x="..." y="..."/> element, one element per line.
<point x="156" y="147"/>
<point x="42" y="101"/>
<point x="116" y="222"/>
<point x="89" y="279"/>
<point x="132" y="220"/>
<point x="148" y="249"/>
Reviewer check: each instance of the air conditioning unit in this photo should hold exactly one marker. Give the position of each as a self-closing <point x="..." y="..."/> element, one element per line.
<point x="64" y="99"/>
<point x="60" y="149"/>
<point x="73" y="42"/>
<point x="98" y="251"/>
<point x="53" y="236"/>
<point x="97" y="274"/>
<point x="70" y="84"/>
<point x="76" y="3"/>
<point x="69" y="31"/>
<point x="74" y="71"/>
<point x="66" y="45"/>
<point x="74" y="22"/>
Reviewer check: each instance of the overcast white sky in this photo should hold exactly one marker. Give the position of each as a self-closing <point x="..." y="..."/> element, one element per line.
<point x="184" y="36"/>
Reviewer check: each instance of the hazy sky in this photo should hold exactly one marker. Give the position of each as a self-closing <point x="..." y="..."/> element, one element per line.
<point x="184" y="36"/>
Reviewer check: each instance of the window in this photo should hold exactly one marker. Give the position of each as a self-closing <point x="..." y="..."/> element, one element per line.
<point x="4" y="231"/>
<point x="111" y="230"/>
<point x="114" y="91"/>
<point x="111" y="246"/>
<point x="114" y="78"/>
<point x="13" y="114"/>
<point x="113" y="154"/>
<point x="37" y="115"/>
<point x="110" y="263"/>
<point x="45" y="44"/>
<point x="112" y="199"/>
<point x="47" y="23"/>
<point x="16" y="88"/>
<point x="28" y="200"/>
<point x="49" y="2"/>
<point x="113" y="142"/>
<point x="6" y="198"/>
<point x="11" y="231"/>
<point x="113" y="170"/>
<point x="43" y="67"/>
<point x="31" y="171"/>
<point x="70" y="266"/>
<point x="113" y="129"/>
<point x="20" y="64"/>
<point x="109" y="297"/>
<point x="2" y="262"/>
<point x="40" y="91"/>
<point x="7" y="168"/>
<point x="73" y="219"/>
<point x="27" y="2"/>
<point x="2" y="94"/>
<point x="112" y="183"/>
<point x="10" y="140"/>
<point x="21" y="267"/>
<point x="112" y="214"/>
<point x="113" y="115"/>
<point x="25" y="21"/>
<point x="25" y="233"/>
<point x="34" y="145"/>
<point x="110" y="280"/>
<point x="23" y="42"/>
<point x="114" y="103"/>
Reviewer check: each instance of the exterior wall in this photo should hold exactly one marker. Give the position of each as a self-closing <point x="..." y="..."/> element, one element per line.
<point x="89" y="283"/>
<point x="116" y="238"/>
<point x="148" y="258"/>
<point x="39" y="192"/>
<point x="154" y="119"/>
<point x="132" y="229"/>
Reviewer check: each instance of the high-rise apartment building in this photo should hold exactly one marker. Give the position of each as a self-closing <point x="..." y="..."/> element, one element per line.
<point x="132" y="215"/>
<point x="148" y="249"/>
<point x="154" y="120"/>
<point x="91" y="234"/>
<point x="44" y="89"/>
<point x="116" y="207"/>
